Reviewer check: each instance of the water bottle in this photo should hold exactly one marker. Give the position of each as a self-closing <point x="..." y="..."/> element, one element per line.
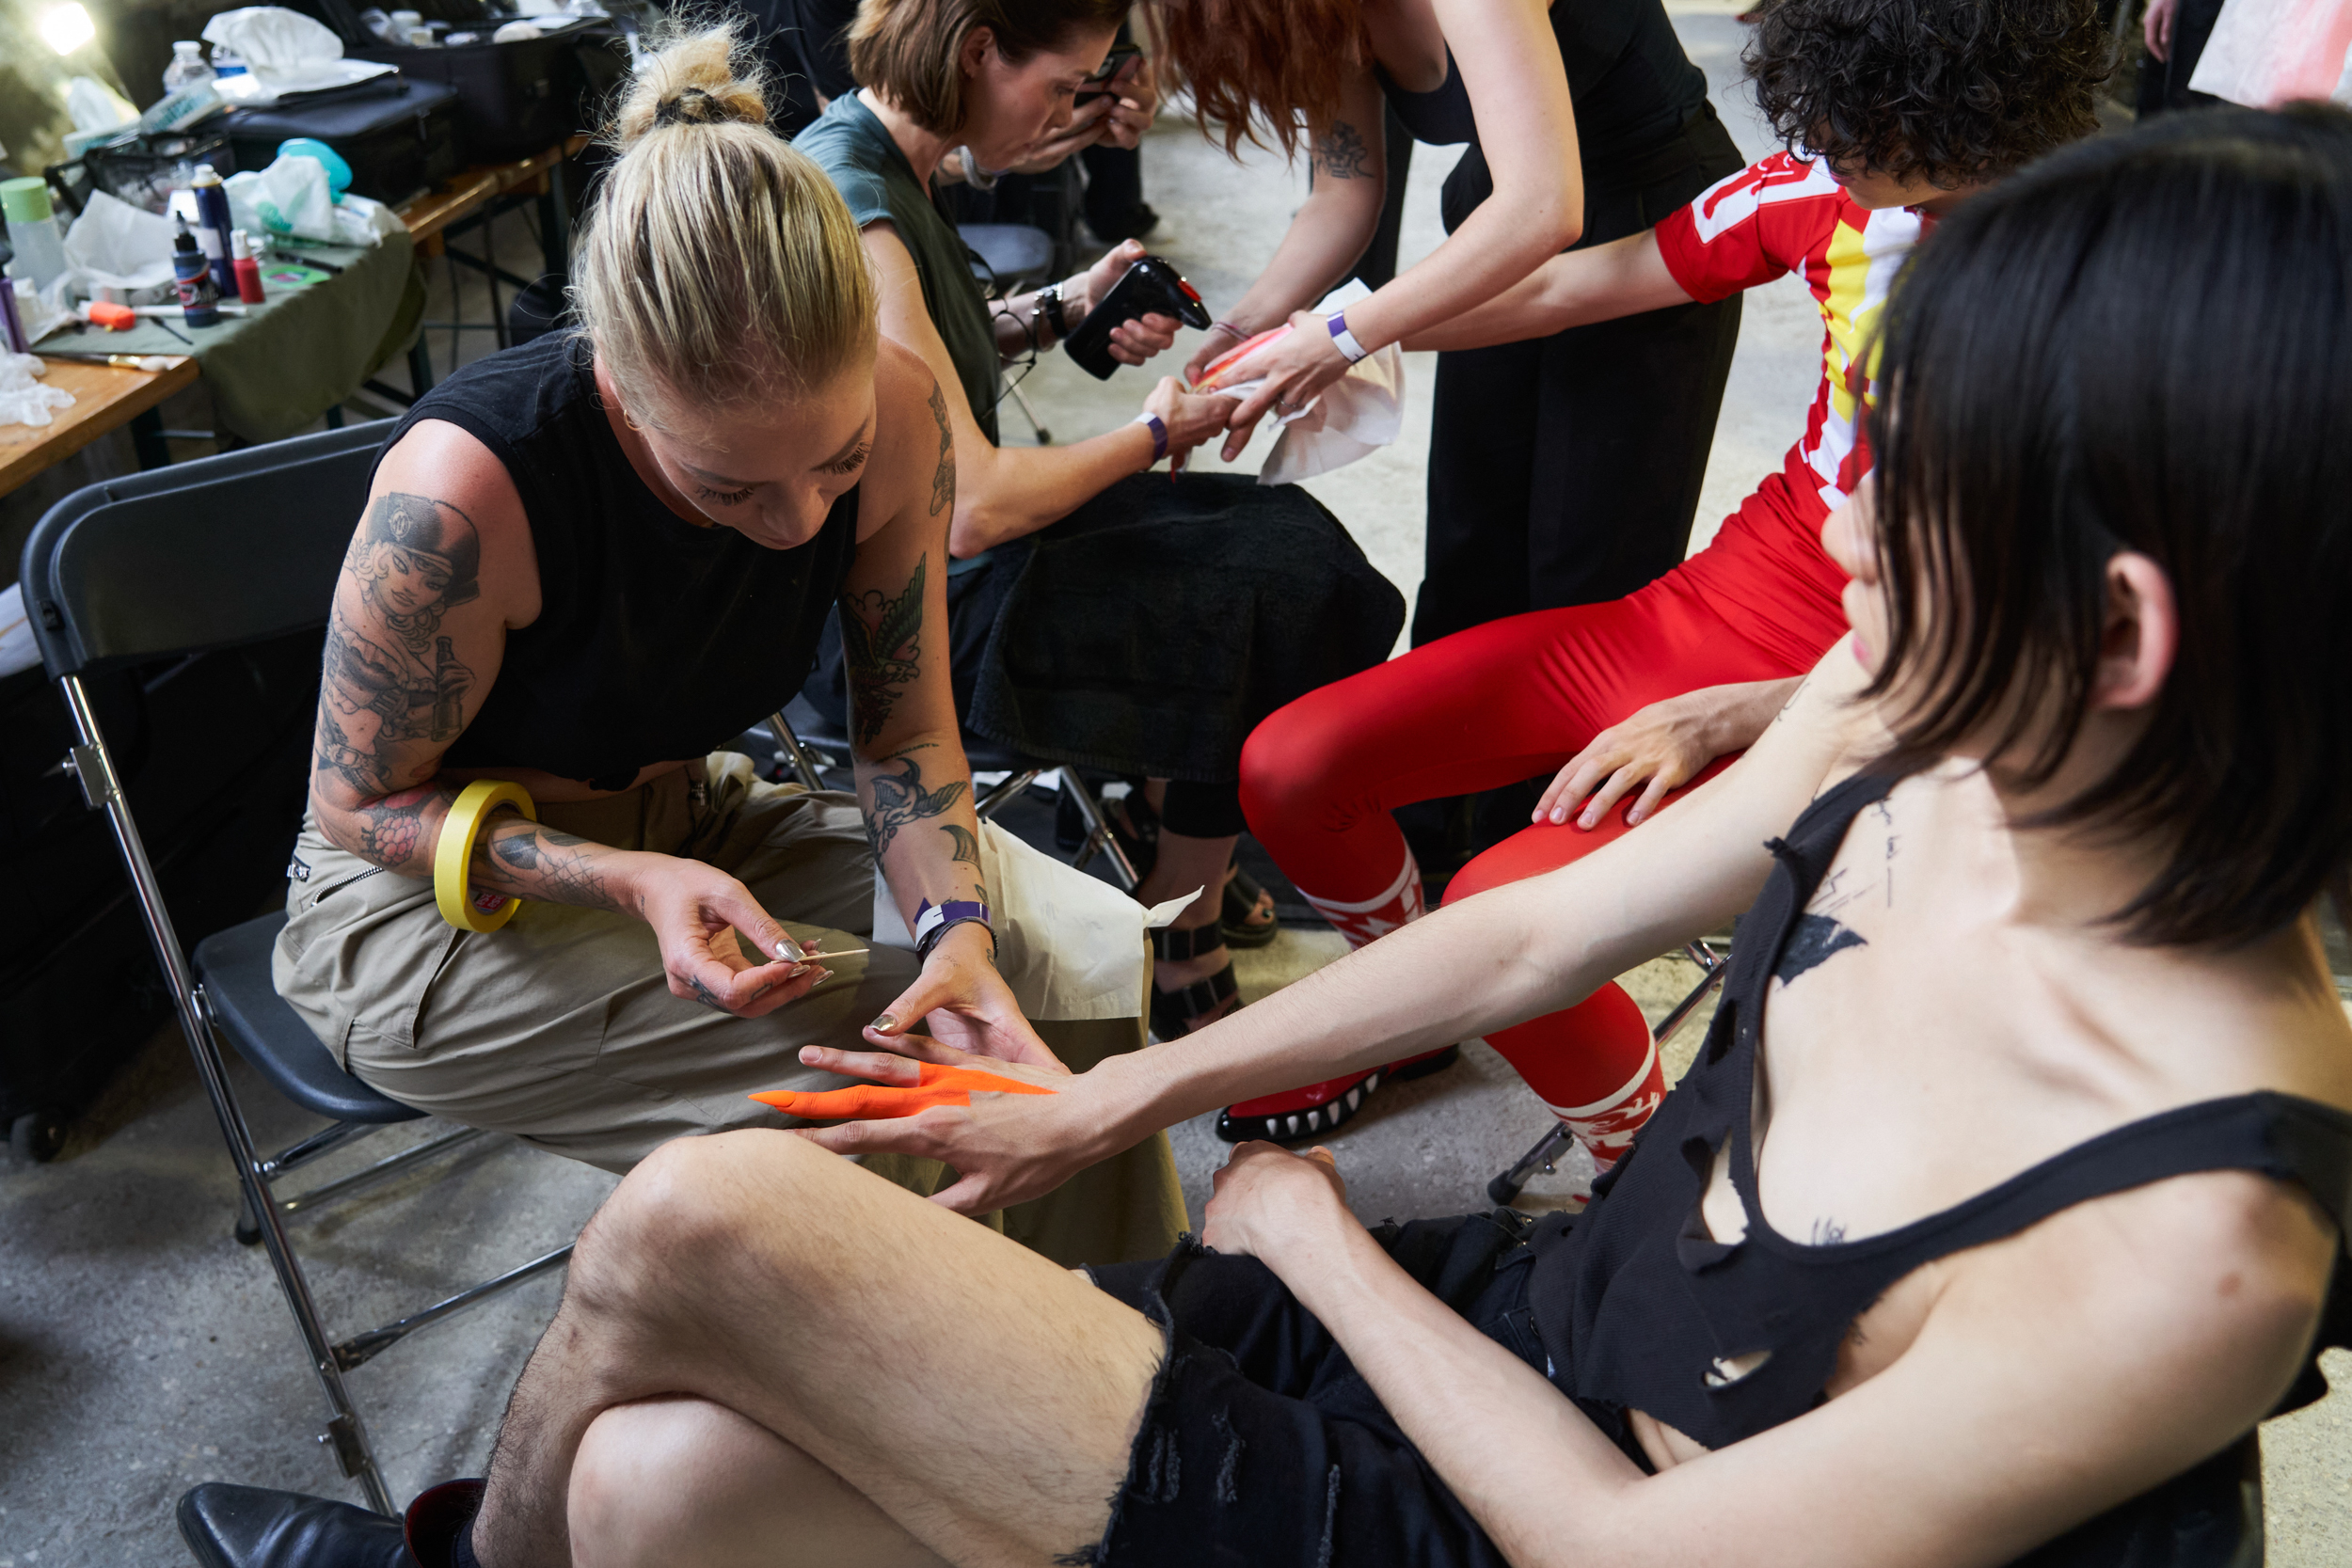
<point x="227" y="62"/>
<point x="188" y="65"/>
<point x="33" y="230"/>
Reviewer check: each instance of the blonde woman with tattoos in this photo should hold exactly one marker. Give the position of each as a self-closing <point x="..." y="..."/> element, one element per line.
<point x="585" y="566"/>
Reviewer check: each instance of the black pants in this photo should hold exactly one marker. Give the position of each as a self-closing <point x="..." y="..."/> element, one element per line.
<point x="1566" y="470"/>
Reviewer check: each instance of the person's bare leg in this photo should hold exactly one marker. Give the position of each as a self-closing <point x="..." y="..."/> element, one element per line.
<point x="674" y="1480"/>
<point x="1185" y="862"/>
<point x="983" y="1398"/>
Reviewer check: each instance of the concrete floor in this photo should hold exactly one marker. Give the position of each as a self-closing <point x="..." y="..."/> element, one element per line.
<point x="141" y="1350"/>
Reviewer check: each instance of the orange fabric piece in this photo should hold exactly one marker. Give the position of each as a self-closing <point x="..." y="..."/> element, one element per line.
<point x="940" y="1085"/>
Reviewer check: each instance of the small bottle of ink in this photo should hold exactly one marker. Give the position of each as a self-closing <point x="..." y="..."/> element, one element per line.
<point x="249" y="270"/>
<point x="193" y="277"/>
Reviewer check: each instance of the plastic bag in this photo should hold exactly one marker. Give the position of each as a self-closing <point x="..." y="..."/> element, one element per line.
<point x="1354" y="417"/>
<point x="23" y="398"/>
<point x="116" y="245"/>
<point x="288" y="197"/>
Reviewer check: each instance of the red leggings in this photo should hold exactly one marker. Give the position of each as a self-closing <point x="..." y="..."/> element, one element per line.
<point x="1513" y="699"/>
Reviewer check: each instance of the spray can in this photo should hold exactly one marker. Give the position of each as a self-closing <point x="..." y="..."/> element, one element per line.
<point x="212" y="228"/>
<point x="193" y="275"/>
<point x="249" y="270"/>
<point x="12" y="337"/>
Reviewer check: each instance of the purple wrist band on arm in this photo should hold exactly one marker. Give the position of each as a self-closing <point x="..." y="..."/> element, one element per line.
<point x="1346" y="340"/>
<point x="1159" y="434"/>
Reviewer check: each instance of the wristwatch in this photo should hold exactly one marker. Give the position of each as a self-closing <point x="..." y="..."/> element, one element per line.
<point x="1049" y="306"/>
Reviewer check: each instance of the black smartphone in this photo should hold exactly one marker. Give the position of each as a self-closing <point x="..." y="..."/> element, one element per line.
<point x="1112" y="64"/>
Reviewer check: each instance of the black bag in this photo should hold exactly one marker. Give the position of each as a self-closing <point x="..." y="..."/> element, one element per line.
<point x="214" y="753"/>
<point x="400" y="137"/>
<point x="517" y="98"/>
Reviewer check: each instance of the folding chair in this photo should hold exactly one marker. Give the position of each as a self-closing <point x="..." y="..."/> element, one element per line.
<point x="1012" y="256"/>
<point x="1506" y="1187"/>
<point x="206" y="555"/>
<point x="985" y="757"/>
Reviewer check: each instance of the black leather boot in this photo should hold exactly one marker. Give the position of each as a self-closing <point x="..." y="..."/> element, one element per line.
<point x="440" y="1522"/>
<point x="249" y="1527"/>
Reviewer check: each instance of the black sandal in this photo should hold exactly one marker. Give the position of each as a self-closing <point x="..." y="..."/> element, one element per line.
<point x="1243" y="898"/>
<point x="1172" y="1011"/>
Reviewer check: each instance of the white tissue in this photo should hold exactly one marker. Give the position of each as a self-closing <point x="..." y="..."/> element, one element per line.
<point x="291" y="196"/>
<point x="1354" y="417"/>
<point x="23" y="398"/>
<point x="114" y="245"/>
<point x="274" y="42"/>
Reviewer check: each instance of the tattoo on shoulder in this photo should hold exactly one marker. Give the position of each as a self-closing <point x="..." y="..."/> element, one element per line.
<point x="900" y="801"/>
<point x="1339" y="152"/>
<point x="388" y="677"/>
<point x="943" y="476"/>
<point x="1829" y="1232"/>
<point x="882" y="648"/>
<point x="1815" y="940"/>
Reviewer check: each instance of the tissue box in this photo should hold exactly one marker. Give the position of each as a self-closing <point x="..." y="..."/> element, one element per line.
<point x="400" y="137"/>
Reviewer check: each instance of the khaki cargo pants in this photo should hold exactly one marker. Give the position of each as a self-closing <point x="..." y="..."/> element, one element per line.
<point x="560" y="1028"/>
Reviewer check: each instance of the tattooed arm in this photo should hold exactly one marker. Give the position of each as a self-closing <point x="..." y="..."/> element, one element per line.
<point x="996" y="493"/>
<point x="912" y="780"/>
<point x="438" y="570"/>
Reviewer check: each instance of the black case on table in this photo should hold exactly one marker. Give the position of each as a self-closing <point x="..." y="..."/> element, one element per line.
<point x="400" y="137"/>
<point x="516" y="98"/>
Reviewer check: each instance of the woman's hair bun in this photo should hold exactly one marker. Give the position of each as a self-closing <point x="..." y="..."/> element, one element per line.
<point x="691" y="74"/>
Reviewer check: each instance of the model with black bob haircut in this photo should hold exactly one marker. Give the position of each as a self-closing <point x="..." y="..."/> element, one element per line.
<point x="2003" y="82"/>
<point x="2217" y="440"/>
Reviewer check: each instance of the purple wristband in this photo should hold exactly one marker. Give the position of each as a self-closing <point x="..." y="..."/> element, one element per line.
<point x="1159" y="434"/>
<point x="1346" y="340"/>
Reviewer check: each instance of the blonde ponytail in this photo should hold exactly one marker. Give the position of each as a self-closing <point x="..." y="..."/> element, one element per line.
<point x="716" y="266"/>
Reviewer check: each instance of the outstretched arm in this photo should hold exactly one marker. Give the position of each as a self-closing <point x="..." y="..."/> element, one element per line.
<point x="1623" y="277"/>
<point x="1494" y="959"/>
<point x="1003" y="492"/>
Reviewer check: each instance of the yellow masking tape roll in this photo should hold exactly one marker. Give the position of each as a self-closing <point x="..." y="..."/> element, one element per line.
<point x="452" y="857"/>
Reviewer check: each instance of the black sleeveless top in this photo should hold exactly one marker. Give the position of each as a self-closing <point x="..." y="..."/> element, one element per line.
<point x="1636" y="1302"/>
<point x="657" y="640"/>
<point x="1632" y="85"/>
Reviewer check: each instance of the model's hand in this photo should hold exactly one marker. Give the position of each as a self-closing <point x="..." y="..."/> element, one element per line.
<point x="1659" y="750"/>
<point x="1265" y="1195"/>
<point x="2157" y="26"/>
<point x="696" y="911"/>
<point x="1133" y="341"/>
<point x="1136" y="100"/>
<point x="1007" y="1146"/>
<point x="1191" y="417"/>
<point x="968" y="1003"/>
<point x="1296" y="367"/>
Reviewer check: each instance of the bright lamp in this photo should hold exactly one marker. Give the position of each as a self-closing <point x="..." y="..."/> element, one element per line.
<point x="67" y="28"/>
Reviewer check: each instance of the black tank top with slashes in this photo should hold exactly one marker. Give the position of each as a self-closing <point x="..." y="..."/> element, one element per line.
<point x="658" y="640"/>
<point x="1641" y="1308"/>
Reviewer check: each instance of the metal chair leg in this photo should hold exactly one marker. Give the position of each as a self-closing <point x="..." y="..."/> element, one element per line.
<point x="803" y="761"/>
<point x="1044" y="437"/>
<point x="93" y="766"/>
<point x="1504" y="1189"/>
<point x="1099" y="834"/>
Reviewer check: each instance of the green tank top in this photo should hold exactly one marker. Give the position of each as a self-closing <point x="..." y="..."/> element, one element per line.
<point x="854" y="149"/>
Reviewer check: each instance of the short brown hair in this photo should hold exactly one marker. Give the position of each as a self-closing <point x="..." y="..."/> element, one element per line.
<point x="1250" y="65"/>
<point x="908" y="50"/>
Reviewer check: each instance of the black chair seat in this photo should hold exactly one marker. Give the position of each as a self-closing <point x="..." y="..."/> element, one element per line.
<point x="233" y="967"/>
<point x="1010" y="250"/>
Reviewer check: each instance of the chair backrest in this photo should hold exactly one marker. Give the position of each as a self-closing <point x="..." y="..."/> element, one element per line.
<point x="209" y="554"/>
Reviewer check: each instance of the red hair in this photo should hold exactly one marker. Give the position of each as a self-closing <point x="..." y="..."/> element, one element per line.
<point x="1276" y="65"/>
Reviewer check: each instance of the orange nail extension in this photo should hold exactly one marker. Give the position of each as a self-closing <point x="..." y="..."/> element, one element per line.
<point x="940" y="1085"/>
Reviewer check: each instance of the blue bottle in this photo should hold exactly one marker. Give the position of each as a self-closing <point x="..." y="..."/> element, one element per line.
<point x="193" y="277"/>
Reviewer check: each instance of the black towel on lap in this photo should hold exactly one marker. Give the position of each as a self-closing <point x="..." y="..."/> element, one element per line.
<point x="1148" y="632"/>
